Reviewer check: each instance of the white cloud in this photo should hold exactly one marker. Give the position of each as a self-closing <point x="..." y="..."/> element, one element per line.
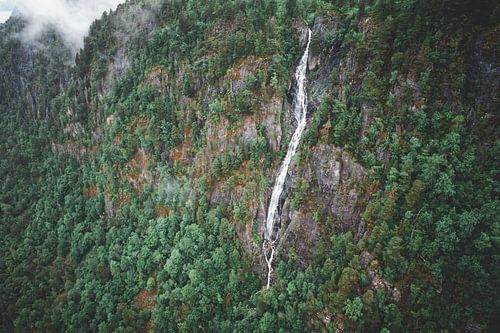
<point x="71" y="18"/>
<point x="6" y="5"/>
<point x="4" y="15"/>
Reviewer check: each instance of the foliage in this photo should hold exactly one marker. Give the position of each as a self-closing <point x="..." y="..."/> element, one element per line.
<point x="112" y="216"/>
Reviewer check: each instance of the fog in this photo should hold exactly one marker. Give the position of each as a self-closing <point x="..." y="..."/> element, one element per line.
<point x="6" y="7"/>
<point x="71" y="18"/>
<point x="4" y="15"/>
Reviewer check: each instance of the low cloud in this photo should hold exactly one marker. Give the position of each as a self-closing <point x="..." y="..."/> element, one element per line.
<point x="71" y="18"/>
<point x="4" y="15"/>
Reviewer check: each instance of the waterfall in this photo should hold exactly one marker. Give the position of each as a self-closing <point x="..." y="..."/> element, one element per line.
<point x="300" y="113"/>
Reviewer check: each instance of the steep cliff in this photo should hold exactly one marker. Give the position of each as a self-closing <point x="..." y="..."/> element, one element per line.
<point x="137" y="179"/>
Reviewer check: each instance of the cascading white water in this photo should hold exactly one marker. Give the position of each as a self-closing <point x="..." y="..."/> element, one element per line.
<point x="300" y="112"/>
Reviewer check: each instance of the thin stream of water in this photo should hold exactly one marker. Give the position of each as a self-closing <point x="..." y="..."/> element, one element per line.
<point x="300" y="112"/>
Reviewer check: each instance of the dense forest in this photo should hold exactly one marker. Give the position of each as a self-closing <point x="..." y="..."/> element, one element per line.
<point x="136" y="174"/>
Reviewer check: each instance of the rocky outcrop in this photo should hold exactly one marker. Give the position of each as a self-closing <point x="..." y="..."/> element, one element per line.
<point x="333" y="181"/>
<point x="372" y="266"/>
<point x="74" y="149"/>
<point x="74" y="130"/>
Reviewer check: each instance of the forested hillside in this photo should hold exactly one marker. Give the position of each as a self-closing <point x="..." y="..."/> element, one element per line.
<point x="136" y="175"/>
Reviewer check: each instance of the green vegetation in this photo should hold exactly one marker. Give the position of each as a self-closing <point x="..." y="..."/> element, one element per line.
<point x="128" y="179"/>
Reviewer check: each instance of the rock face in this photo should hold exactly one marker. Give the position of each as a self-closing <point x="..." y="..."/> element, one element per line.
<point x="271" y="121"/>
<point x="337" y="174"/>
<point x="224" y="138"/>
<point x="334" y="181"/>
<point x="299" y="238"/>
<point x="330" y="176"/>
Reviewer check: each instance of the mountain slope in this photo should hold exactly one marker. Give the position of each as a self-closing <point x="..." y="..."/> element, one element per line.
<point x="136" y="182"/>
